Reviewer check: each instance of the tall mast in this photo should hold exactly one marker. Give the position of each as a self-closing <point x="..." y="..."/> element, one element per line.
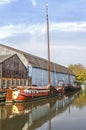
<point x="48" y="44"/>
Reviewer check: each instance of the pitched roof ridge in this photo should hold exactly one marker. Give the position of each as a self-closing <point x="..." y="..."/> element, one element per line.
<point x="23" y="52"/>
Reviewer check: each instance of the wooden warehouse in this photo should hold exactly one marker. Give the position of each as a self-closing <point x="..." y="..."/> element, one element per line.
<point x="37" y="68"/>
<point x="12" y="71"/>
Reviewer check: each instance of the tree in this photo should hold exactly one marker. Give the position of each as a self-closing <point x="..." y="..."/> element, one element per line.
<point x="79" y="71"/>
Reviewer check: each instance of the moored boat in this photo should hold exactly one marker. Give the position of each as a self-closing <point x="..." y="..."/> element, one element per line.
<point x="30" y="93"/>
<point x="27" y="93"/>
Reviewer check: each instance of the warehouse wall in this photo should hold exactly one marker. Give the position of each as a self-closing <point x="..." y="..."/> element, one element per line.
<point x="39" y="77"/>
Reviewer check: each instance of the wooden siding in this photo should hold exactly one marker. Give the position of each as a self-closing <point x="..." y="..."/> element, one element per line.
<point x="4" y="50"/>
<point x="13" y="68"/>
<point x="37" y="68"/>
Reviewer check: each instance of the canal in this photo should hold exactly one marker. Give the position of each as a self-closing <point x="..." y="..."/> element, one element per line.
<point x="63" y="113"/>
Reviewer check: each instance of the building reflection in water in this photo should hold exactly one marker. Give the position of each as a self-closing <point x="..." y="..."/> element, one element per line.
<point x="30" y="116"/>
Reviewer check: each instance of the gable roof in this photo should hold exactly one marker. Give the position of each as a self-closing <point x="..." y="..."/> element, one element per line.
<point x="4" y="57"/>
<point x="39" y="62"/>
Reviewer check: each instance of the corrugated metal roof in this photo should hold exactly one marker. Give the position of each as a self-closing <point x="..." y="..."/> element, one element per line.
<point x="39" y="62"/>
<point x="42" y="63"/>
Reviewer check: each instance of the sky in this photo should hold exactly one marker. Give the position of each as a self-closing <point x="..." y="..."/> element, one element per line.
<point x="23" y="26"/>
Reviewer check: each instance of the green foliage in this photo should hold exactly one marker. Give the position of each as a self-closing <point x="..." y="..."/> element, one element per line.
<point x="79" y="71"/>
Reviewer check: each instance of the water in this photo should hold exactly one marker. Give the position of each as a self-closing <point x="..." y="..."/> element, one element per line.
<point x="64" y="113"/>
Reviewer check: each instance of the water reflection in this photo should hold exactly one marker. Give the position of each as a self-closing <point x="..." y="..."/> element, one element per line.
<point x="80" y="101"/>
<point x="44" y="114"/>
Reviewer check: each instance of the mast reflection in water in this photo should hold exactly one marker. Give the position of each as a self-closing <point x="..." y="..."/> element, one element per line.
<point x="67" y="113"/>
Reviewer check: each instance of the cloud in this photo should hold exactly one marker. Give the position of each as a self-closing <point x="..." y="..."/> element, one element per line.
<point x="34" y="29"/>
<point x="69" y="26"/>
<point x="67" y="40"/>
<point x="10" y="30"/>
<point x="34" y="3"/>
<point x="2" y="2"/>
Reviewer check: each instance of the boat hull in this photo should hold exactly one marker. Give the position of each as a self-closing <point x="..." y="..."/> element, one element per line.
<point x="22" y="96"/>
<point x="28" y="97"/>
